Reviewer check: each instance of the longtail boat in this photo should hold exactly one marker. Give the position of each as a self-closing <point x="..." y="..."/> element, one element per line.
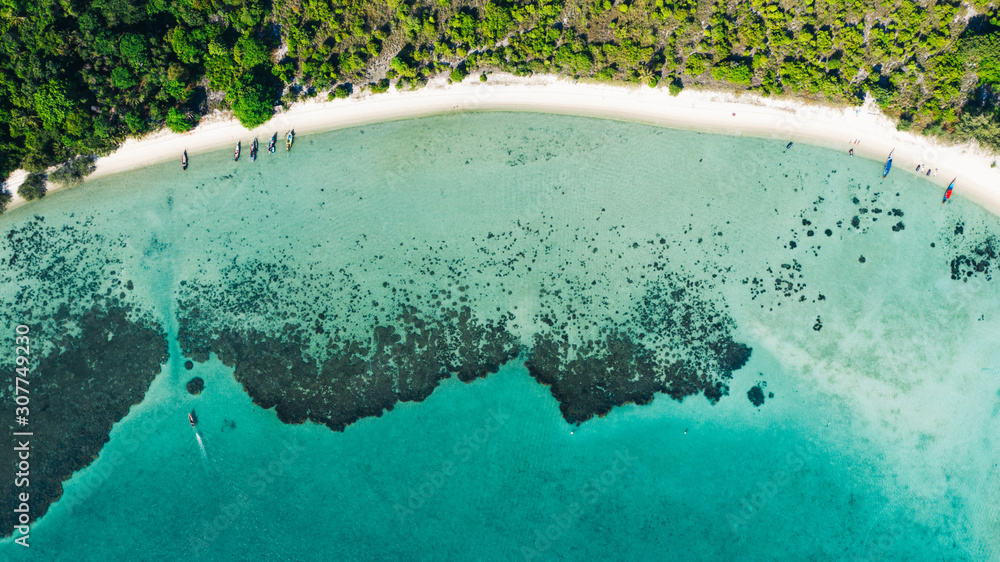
<point x="288" y="140"/>
<point x="947" y="194"/>
<point x="184" y="160"/>
<point x="270" y="144"/>
<point x="236" y="155"/>
<point x="888" y="164"/>
<point x="253" y="150"/>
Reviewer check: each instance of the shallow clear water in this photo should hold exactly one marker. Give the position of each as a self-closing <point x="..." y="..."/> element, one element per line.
<point x="879" y="443"/>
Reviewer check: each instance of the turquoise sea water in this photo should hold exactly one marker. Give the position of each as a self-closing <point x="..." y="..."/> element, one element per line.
<point x="879" y="443"/>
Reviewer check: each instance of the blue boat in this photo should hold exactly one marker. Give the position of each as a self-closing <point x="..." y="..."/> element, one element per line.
<point x="888" y="164"/>
<point x="947" y="194"/>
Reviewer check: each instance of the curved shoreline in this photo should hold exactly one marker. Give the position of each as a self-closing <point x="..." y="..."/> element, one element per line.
<point x="704" y="111"/>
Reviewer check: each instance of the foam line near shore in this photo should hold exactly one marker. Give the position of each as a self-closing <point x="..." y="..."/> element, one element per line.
<point x="698" y="110"/>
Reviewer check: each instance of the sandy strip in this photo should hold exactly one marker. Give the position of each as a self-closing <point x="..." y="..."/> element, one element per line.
<point x="712" y="112"/>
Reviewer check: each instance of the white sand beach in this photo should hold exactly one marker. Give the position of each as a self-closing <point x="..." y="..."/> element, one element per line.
<point x="698" y="110"/>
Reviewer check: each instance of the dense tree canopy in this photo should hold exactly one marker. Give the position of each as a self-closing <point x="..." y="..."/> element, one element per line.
<point x="78" y="76"/>
<point x="33" y="187"/>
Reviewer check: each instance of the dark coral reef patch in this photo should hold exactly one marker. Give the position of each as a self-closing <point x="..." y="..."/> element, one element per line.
<point x="976" y="252"/>
<point x="195" y="386"/>
<point x="977" y="259"/>
<point x="676" y="340"/>
<point x="93" y="355"/>
<point x="402" y="361"/>
<point x="101" y="363"/>
<point x="677" y="343"/>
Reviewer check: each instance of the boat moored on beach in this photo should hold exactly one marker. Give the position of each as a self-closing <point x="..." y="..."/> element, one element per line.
<point x="184" y="161"/>
<point x="271" y="143"/>
<point x="253" y="150"/>
<point x="236" y="154"/>
<point x="888" y="164"/>
<point x="288" y="140"/>
<point x="947" y="194"/>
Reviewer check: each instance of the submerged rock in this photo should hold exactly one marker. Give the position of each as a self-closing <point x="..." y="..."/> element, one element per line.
<point x="195" y="386"/>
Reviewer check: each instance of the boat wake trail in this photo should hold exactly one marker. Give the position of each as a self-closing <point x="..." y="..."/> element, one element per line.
<point x="201" y="444"/>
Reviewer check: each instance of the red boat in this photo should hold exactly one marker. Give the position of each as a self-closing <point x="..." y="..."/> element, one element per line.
<point x="947" y="194"/>
<point x="191" y="418"/>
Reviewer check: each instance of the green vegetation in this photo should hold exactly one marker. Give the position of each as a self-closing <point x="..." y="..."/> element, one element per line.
<point x="5" y="198"/>
<point x="342" y="91"/>
<point x="458" y="73"/>
<point x="380" y="87"/>
<point x="33" y="187"/>
<point x="78" y="77"/>
<point x="73" y="171"/>
<point x="178" y="121"/>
